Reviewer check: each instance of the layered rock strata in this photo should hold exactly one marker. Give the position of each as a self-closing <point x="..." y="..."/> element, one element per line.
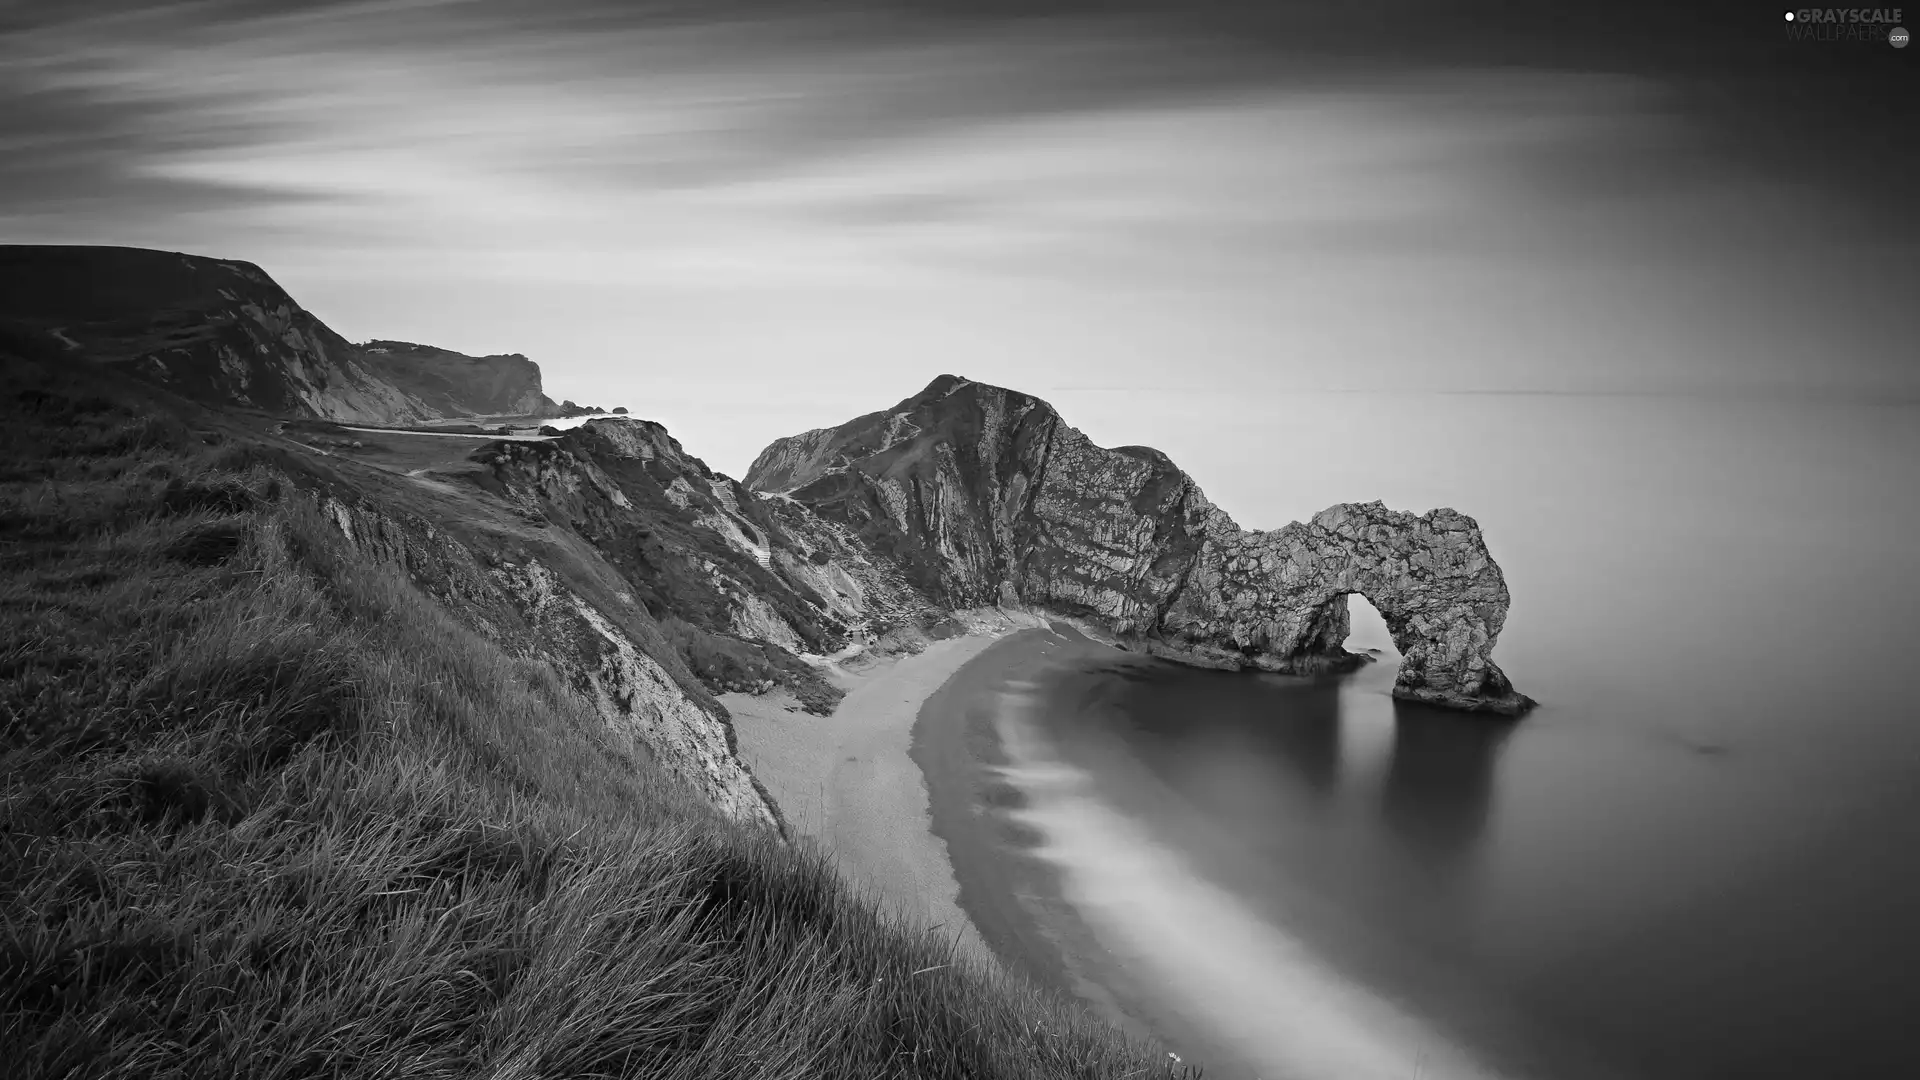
<point x="984" y="495"/>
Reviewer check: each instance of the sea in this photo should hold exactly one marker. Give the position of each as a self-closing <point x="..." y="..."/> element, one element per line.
<point x="1698" y="858"/>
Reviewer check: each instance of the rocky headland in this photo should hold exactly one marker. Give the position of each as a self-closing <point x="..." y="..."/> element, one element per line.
<point x="983" y="495"/>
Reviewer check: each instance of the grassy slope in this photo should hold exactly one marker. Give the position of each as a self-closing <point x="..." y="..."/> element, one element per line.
<point x="271" y="813"/>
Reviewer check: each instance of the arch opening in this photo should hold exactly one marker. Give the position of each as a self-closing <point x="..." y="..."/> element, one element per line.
<point x="1367" y="629"/>
<point x="1342" y="635"/>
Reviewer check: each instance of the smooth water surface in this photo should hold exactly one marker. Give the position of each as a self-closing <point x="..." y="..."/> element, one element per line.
<point x="1694" y="860"/>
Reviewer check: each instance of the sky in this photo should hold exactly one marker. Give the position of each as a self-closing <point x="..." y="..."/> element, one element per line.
<point x="1171" y="220"/>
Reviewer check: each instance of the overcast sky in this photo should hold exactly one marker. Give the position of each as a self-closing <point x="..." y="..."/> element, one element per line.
<point x="747" y="220"/>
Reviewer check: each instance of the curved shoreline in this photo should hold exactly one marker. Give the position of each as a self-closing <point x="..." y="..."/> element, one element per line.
<point x="905" y="785"/>
<point x="899" y="784"/>
<point x="1076" y="880"/>
<point x="1078" y="895"/>
<point x="1010" y="883"/>
<point x="958" y="751"/>
<point x="846" y="780"/>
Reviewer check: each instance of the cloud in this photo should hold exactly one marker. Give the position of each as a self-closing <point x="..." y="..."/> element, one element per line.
<point x="1066" y="184"/>
<point x="768" y="141"/>
<point x="642" y="102"/>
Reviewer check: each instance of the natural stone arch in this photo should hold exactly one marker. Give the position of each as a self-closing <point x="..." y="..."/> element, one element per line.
<point x="1281" y="596"/>
<point x="1443" y="650"/>
<point x="982" y="495"/>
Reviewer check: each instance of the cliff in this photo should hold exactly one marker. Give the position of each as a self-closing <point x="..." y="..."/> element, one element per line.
<point x="984" y="495"/>
<point x="455" y="384"/>
<point x="691" y="542"/>
<point x="536" y="603"/>
<point x="222" y="332"/>
<point x="731" y="569"/>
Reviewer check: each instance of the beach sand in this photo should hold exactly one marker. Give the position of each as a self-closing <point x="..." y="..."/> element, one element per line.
<point x="847" y="779"/>
<point x="1009" y="875"/>
<point x="934" y="786"/>
<point x="904" y="786"/>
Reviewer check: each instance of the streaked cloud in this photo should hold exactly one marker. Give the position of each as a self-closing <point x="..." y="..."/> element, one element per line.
<point x="1257" y="193"/>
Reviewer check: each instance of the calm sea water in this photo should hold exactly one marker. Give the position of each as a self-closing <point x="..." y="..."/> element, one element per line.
<point x="1696" y="859"/>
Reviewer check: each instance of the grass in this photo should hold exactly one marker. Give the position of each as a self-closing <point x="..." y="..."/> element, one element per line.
<point x="273" y="812"/>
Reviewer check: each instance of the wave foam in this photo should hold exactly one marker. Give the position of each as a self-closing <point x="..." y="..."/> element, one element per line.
<point x="1265" y="994"/>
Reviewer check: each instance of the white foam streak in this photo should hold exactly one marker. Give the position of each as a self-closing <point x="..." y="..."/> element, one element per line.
<point x="1264" y="994"/>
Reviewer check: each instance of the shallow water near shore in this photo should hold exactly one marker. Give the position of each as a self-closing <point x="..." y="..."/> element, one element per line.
<point x="1693" y="861"/>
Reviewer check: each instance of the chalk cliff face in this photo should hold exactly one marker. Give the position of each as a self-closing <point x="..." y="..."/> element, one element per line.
<point x="221" y="331"/>
<point x="985" y="495"/>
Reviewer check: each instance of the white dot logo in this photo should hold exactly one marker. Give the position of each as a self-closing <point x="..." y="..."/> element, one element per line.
<point x="1789" y="16"/>
<point x="1897" y="37"/>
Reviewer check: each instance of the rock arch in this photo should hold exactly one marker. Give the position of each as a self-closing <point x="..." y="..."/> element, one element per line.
<point x="980" y="495"/>
<point x="1278" y="600"/>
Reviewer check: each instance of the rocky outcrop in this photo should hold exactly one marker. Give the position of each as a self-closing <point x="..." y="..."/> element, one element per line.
<point x="694" y="543"/>
<point x="756" y="587"/>
<point x="614" y="659"/>
<point x="863" y="589"/>
<point x="635" y="695"/>
<point x="984" y="495"/>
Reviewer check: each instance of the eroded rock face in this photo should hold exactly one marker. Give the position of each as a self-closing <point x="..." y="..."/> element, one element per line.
<point x="983" y="495"/>
<point x="694" y="544"/>
<point x="608" y="656"/>
<point x="634" y="694"/>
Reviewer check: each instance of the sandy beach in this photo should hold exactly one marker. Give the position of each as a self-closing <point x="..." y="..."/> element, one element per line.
<point x="847" y="780"/>
<point x="1007" y="890"/>
<point x="906" y="785"/>
<point x="910" y="788"/>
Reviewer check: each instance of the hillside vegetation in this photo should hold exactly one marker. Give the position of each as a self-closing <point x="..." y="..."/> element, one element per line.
<point x="271" y="810"/>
